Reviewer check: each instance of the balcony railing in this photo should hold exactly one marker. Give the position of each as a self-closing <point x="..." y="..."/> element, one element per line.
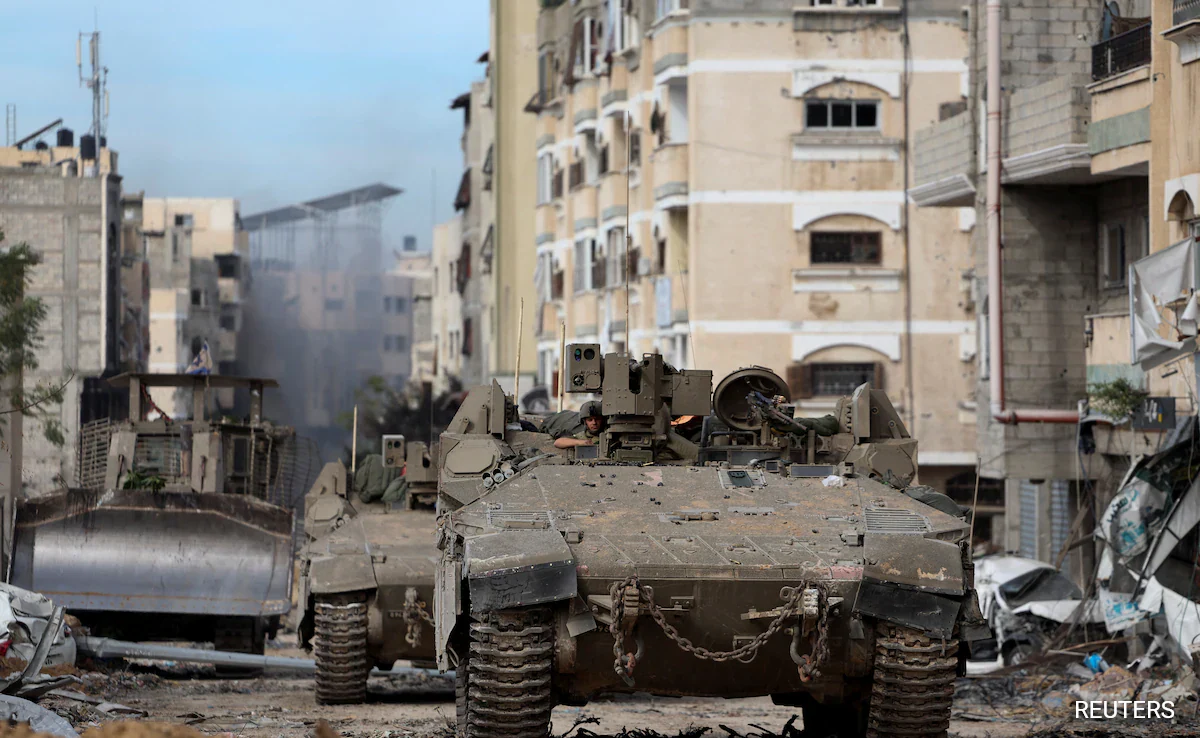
<point x="1125" y="51"/>
<point x="1186" y="10"/>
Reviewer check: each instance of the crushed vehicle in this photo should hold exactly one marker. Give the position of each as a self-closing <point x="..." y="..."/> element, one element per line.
<point x="177" y="529"/>
<point x="24" y="619"/>
<point x="366" y="576"/>
<point x="1025" y="601"/>
<point x="777" y="556"/>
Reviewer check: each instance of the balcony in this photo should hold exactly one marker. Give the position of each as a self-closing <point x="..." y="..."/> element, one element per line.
<point x="613" y="202"/>
<point x="584" y="103"/>
<point x="583" y="207"/>
<point x="942" y="159"/>
<point x="546" y="223"/>
<point x="1122" y="52"/>
<point x="670" y="163"/>
<point x="1119" y="134"/>
<point x="670" y="53"/>
<point x="1185" y="30"/>
<point x="615" y="92"/>
<point x="1046" y="141"/>
<point x="1185" y="11"/>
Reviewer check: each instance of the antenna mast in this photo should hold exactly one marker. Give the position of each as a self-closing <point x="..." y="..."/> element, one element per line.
<point x="97" y="83"/>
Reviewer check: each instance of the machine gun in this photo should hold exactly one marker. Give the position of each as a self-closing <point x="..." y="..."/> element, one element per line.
<point x="638" y="400"/>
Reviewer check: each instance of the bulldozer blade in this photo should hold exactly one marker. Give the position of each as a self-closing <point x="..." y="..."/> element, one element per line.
<point x="158" y="552"/>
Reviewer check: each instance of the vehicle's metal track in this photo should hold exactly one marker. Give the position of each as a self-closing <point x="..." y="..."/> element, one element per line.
<point x="340" y="648"/>
<point x="508" y="676"/>
<point x="913" y="686"/>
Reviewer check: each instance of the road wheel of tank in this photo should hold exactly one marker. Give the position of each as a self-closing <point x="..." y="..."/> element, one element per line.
<point x="240" y="635"/>
<point x="507" y="676"/>
<point x="913" y="683"/>
<point x="340" y="648"/>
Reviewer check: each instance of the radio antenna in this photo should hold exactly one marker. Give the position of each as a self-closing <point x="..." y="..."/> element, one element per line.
<point x="628" y="232"/>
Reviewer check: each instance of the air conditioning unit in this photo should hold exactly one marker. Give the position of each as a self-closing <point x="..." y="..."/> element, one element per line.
<point x="643" y="267"/>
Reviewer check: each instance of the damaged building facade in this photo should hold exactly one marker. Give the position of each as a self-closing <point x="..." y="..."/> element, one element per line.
<point x="758" y="156"/>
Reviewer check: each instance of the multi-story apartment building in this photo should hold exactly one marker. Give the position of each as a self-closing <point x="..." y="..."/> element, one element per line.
<point x="135" y="287"/>
<point x="1095" y="151"/>
<point x="758" y="154"/>
<point x="418" y="269"/>
<point x="199" y="282"/>
<point x="73" y="222"/>
<point x="482" y="256"/>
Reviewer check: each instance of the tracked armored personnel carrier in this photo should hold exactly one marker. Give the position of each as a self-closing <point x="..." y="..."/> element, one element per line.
<point x="779" y="556"/>
<point x="176" y="529"/>
<point x="366" y="574"/>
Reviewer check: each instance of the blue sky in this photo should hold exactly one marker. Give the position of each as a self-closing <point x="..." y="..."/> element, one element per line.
<point x="269" y="101"/>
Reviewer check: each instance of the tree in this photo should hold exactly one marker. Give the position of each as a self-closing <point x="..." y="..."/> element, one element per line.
<point x="412" y="412"/>
<point x="20" y="320"/>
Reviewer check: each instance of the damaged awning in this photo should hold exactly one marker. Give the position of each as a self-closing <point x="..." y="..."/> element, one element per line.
<point x="1163" y="304"/>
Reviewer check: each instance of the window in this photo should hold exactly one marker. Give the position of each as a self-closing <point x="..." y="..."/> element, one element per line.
<point x="635" y="148"/>
<point x="228" y="266"/>
<point x="677" y="127"/>
<point x="183" y="220"/>
<point x="576" y="175"/>
<point x="587" y="55"/>
<point x="229" y="322"/>
<point x="841" y="114"/>
<point x="198" y="298"/>
<point x="583" y="265"/>
<point x="545" y="182"/>
<point x="845" y="248"/>
<point x="629" y="32"/>
<point x="387" y="343"/>
<point x="832" y="379"/>
<point x="387" y="304"/>
<point x="604" y="159"/>
<point x="400" y="342"/>
<point x="1114" y="255"/>
<point x="400" y="304"/>
<point x="174" y="246"/>
<point x="468" y="338"/>
<point x="663" y="8"/>
<point x="599" y="267"/>
<point x="547" y="76"/>
<point x="660" y="265"/>
<point x="334" y="304"/>
<point x="486" y="170"/>
<point x="616" y="252"/>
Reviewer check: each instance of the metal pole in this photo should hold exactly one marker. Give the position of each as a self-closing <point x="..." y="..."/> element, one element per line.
<point x="562" y="363"/>
<point x="995" y="284"/>
<point x="517" y="371"/>
<point x="354" y="444"/>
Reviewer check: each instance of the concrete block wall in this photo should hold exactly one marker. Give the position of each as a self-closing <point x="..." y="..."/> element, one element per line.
<point x="943" y="150"/>
<point x="1049" y="285"/>
<point x="61" y="218"/>
<point x="1050" y="114"/>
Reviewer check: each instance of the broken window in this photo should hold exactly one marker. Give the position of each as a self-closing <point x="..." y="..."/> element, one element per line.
<point x="841" y="114"/>
<point x="184" y="220"/>
<point x="228" y="266"/>
<point x="1114" y="255"/>
<point x="844" y="248"/>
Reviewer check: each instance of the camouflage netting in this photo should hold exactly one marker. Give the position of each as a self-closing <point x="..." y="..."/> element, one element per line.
<point x="373" y="482"/>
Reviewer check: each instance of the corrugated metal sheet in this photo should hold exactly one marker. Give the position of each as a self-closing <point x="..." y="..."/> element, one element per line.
<point x="1060" y="516"/>
<point x="1029" y="515"/>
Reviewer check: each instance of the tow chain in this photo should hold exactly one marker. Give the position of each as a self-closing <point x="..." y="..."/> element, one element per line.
<point x="626" y="662"/>
<point x="415" y="612"/>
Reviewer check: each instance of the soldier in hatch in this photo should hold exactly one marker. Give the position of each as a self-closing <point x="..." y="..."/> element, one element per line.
<point x="593" y="425"/>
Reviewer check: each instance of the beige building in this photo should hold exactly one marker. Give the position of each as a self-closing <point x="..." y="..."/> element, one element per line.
<point x="418" y="269"/>
<point x="765" y="199"/>
<point x="482" y="258"/>
<point x="199" y="279"/>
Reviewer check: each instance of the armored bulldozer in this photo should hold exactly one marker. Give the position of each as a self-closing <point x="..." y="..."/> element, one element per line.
<point x="176" y="529"/>
<point x="777" y="556"/>
<point x="367" y="569"/>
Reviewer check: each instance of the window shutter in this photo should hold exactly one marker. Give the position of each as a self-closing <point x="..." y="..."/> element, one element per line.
<point x="799" y="380"/>
<point x="877" y="380"/>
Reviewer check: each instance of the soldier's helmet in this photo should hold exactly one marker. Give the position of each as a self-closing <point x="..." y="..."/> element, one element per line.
<point x="591" y="409"/>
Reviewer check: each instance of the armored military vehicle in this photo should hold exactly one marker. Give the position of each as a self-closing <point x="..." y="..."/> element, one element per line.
<point x="175" y="528"/>
<point x="367" y="572"/>
<point x="778" y="556"/>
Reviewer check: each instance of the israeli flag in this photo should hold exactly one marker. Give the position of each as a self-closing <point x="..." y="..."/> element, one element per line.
<point x="202" y="364"/>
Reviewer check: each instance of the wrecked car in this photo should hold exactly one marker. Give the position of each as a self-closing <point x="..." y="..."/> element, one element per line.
<point x="1025" y="601"/>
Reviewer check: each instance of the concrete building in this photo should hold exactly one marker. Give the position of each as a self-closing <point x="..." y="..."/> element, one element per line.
<point x="762" y="181"/>
<point x="135" y="287"/>
<point x="326" y="315"/>
<point x="199" y="281"/>
<point x="1077" y="207"/>
<point x="74" y="223"/>
<point x="512" y="74"/>
<point x="418" y="269"/>
<point x="447" y="316"/>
